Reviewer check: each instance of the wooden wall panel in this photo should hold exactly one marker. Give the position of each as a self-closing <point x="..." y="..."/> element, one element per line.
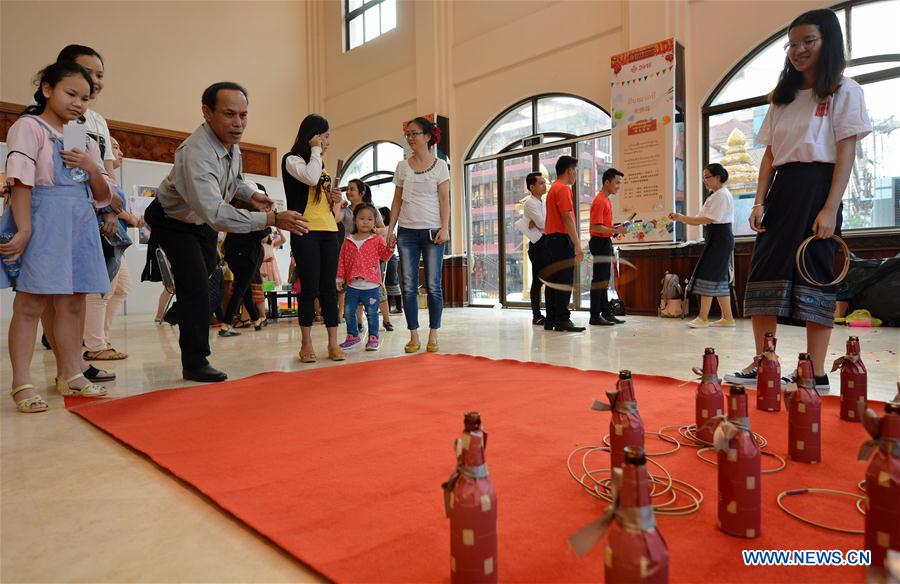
<point x="640" y="291"/>
<point x="157" y="144"/>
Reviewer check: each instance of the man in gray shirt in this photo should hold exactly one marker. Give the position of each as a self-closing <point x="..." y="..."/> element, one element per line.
<point x="197" y="199"/>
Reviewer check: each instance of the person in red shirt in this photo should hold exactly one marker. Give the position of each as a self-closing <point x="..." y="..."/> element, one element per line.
<point x="562" y="246"/>
<point x="602" y="230"/>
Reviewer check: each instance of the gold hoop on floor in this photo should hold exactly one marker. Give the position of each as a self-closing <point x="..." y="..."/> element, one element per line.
<point x="791" y="492"/>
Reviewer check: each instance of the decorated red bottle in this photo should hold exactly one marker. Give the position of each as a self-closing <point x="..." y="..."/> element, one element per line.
<point x="625" y="426"/>
<point x="470" y="503"/>
<point x="854" y="382"/>
<point x="635" y="550"/>
<point x="883" y="482"/>
<point x="739" y="507"/>
<point x="710" y="401"/>
<point x="768" y="377"/>
<point x="805" y="416"/>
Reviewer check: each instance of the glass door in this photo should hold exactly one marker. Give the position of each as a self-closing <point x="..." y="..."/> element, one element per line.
<point x="593" y="159"/>
<point x="499" y="268"/>
<point x="516" y="265"/>
<point x="517" y="268"/>
<point x="484" y="271"/>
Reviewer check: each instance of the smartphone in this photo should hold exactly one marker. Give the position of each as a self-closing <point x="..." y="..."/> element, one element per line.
<point x="74" y="136"/>
<point x="432" y="233"/>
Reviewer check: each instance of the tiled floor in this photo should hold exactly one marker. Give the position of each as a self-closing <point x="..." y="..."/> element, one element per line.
<point x="77" y="506"/>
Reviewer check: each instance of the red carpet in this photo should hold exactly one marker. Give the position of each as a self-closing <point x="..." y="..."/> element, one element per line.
<point x="342" y="467"/>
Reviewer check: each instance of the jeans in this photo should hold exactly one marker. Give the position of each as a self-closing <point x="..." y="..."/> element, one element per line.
<point x="370" y="299"/>
<point x="537" y="253"/>
<point x="191" y="250"/>
<point x="243" y="267"/>
<point x="316" y="256"/>
<point x="601" y="247"/>
<point x="560" y="253"/>
<point x="413" y="244"/>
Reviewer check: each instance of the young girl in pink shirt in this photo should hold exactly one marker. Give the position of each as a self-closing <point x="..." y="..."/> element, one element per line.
<point x="54" y="231"/>
<point x="359" y="270"/>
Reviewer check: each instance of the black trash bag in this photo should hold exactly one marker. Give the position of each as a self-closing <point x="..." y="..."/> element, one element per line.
<point x="873" y="284"/>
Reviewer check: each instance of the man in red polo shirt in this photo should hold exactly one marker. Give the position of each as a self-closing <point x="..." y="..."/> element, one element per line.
<point x="562" y="246"/>
<point x="602" y="230"/>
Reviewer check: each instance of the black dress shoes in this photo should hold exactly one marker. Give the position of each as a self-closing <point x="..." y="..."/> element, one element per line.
<point x="601" y="321"/>
<point x="206" y="374"/>
<point x="611" y="318"/>
<point x="567" y="326"/>
<point x="537" y="320"/>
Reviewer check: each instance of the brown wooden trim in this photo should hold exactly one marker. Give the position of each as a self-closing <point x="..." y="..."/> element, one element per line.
<point x="640" y="289"/>
<point x="157" y="144"/>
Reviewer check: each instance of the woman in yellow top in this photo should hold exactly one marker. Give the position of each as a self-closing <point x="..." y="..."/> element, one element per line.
<point x="309" y="190"/>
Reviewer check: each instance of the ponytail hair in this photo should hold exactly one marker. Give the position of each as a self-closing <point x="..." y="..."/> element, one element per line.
<point x="364" y="191"/>
<point x="51" y="75"/>
<point x="433" y="131"/>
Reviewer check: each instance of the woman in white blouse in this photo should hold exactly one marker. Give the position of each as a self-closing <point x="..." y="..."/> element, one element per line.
<point x="421" y="210"/>
<point x="811" y="128"/>
<point x="309" y="191"/>
<point x="712" y="275"/>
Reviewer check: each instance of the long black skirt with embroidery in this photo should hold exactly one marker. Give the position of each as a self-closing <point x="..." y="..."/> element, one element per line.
<point x="774" y="286"/>
<point x="713" y="272"/>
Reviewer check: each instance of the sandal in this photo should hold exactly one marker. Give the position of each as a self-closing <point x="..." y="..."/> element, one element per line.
<point x="432" y="347"/>
<point x="412" y="346"/>
<point x="94" y="374"/>
<point x="108" y="354"/>
<point x="309" y="357"/>
<point x="29" y="405"/>
<point x="90" y="390"/>
<point x="241" y="324"/>
<point x="387" y="326"/>
<point x="336" y="354"/>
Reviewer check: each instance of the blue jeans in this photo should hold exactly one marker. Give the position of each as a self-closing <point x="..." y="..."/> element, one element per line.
<point x="413" y="244"/>
<point x="370" y="299"/>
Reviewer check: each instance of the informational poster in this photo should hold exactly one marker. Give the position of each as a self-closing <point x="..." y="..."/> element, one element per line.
<point x="643" y="140"/>
<point x="141" y="198"/>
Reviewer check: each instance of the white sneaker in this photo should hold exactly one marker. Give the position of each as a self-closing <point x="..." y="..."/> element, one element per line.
<point x="723" y="322"/>
<point x="698" y="323"/>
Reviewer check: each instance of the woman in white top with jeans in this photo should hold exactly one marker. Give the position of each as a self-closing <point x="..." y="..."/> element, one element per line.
<point x="421" y="209"/>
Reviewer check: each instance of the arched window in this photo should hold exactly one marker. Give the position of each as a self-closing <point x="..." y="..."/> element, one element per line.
<point x="374" y="164"/>
<point x="529" y="136"/>
<point x="734" y="112"/>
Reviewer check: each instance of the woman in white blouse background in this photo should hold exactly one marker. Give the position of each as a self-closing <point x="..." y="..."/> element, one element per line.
<point x="712" y="275"/>
<point x="421" y="210"/>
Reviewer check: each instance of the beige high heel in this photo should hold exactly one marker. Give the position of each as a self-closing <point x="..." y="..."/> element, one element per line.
<point x="29" y="405"/>
<point x="90" y="390"/>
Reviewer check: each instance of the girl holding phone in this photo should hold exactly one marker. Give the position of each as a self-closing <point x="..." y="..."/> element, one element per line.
<point x="421" y="210"/>
<point x="59" y="265"/>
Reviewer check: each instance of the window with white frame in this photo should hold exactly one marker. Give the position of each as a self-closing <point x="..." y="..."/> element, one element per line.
<point x="529" y="136"/>
<point x="374" y="164"/>
<point x="734" y="113"/>
<point x="366" y="20"/>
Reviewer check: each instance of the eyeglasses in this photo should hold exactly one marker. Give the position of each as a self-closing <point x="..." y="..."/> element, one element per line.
<point x="411" y="134"/>
<point x="793" y="46"/>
